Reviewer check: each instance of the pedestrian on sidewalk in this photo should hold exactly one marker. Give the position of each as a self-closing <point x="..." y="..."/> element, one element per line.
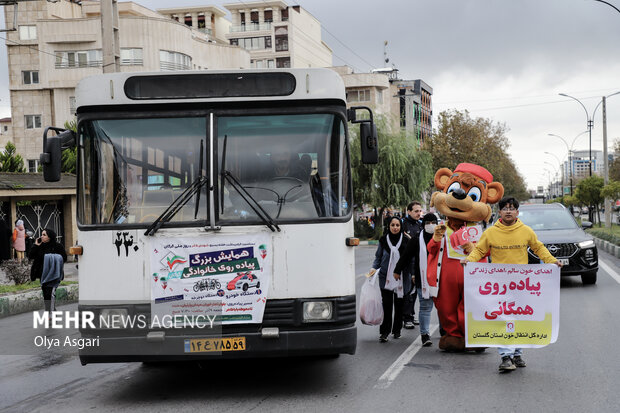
<point x="508" y="241"/>
<point x="19" y="239"/>
<point x="391" y="245"/>
<point x="49" y="256"/>
<point x="412" y="226"/>
<point x="417" y="254"/>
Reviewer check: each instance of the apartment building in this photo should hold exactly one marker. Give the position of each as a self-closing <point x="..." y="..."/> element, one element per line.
<point x="369" y="89"/>
<point x="277" y="35"/>
<point x="6" y="131"/>
<point x="55" y="45"/>
<point x="414" y="105"/>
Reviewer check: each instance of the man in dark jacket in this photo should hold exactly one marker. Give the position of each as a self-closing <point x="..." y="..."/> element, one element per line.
<point x="412" y="225"/>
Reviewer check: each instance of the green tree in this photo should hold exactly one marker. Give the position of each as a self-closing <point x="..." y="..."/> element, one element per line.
<point x="611" y="190"/>
<point x="589" y="193"/>
<point x="461" y="138"/>
<point x="10" y="160"/>
<point x="69" y="155"/>
<point x="403" y="173"/>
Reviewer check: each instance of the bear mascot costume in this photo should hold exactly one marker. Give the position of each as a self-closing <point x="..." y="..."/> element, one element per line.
<point x="464" y="199"/>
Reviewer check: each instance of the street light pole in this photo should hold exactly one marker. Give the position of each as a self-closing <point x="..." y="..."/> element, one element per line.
<point x="570" y="159"/>
<point x="590" y="123"/>
<point x="559" y="166"/>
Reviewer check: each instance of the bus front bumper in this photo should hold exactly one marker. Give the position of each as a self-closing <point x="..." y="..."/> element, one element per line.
<point x="307" y="342"/>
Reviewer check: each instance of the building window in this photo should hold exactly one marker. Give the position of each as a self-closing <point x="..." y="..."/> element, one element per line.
<point x="283" y="62"/>
<point x="234" y="42"/>
<point x="284" y="14"/>
<point x="254" y="43"/>
<point x="268" y="16"/>
<point x="27" y="32"/>
<point x="174" y="61"/>
<point x="72" y="105"/>
<point x="358" y="95"/>
<point x="281" y="35"/>
<point x="271" y="63"/>
<point x="254" y="17"/>
<point x="6" y="128"/>
<point x="79" y="58"/>
<point x="131" y="57"/>
<point x="30" y="77"/>
<point x="33" y="165"/>
<point x="33" y="121"/>
<point x="380" y="97"/>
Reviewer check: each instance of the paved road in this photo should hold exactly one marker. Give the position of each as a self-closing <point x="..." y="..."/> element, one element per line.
<point x="578" y="373"/>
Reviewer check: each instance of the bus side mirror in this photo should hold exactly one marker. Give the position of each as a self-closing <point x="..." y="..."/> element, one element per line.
<point x="368" y="135"/>
<point x="51" y="158"/>
<point x="368" y="139"/>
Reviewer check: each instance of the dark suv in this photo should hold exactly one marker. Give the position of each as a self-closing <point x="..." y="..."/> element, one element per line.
<point x="556" y="227"/>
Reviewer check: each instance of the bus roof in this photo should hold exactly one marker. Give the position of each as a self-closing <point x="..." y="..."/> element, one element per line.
<point x="210" y="86"/>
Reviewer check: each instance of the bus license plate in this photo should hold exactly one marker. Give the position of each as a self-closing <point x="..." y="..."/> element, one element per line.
<point x="206" y="345"/>
<point x="563" y="261"/>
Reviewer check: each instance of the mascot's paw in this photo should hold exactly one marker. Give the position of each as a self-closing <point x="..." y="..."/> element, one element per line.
<point x="439" y="231"/>
<point x="451" y="343"/>
<point x="468" y="247"/>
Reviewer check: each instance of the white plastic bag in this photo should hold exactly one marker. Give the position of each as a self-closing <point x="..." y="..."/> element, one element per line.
<point x="371" y="304"/>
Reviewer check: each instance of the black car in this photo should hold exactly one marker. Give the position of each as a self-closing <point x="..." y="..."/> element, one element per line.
<point x="556" y="227"/>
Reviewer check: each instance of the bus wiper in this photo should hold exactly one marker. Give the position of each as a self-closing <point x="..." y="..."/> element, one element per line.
<point x="199" y="175"/>
<point x="226" y="175"/>
<point x="176" y="205"/>
<point x="263" y="215"/>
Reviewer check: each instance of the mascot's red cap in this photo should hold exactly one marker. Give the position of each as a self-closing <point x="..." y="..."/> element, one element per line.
<point x="476" y="170"/>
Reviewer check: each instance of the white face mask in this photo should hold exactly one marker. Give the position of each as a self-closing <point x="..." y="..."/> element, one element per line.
<point x="429" y="228"/>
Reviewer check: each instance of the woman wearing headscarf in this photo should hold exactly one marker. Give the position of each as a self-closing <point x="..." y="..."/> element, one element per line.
<point x="416" y="253"/>
<point x="49" y="256"/>
<point x="19" y="239"/>
<point x="391" y="245"/>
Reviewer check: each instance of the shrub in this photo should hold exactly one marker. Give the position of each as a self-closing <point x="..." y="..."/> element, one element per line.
<point x="362" y="230"/>
<point x="15" y="271"/>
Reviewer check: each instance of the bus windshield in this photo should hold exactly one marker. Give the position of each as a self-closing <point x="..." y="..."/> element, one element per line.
<point x="294" y="166"/>
<point x="131" y="170"/>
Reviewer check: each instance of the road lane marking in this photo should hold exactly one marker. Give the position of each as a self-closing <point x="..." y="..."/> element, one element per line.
<point x="609" y="271"/>
<point x="394" y="370"/>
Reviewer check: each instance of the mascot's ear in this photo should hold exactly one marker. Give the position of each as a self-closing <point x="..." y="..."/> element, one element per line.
<point x="495" y="192"/>
<point x="442" y="177"/>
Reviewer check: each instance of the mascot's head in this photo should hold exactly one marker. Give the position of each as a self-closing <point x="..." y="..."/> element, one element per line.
<point x="466" y="193"/>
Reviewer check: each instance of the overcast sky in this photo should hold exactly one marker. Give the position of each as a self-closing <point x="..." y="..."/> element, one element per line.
<point x="505" y="60"/>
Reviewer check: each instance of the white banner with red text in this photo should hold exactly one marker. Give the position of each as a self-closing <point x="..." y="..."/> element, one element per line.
<point x="511" y="305"/>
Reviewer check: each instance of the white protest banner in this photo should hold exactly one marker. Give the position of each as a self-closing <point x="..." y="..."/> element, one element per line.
<point x="191" y="276"/>
<point x="511" y="304"/>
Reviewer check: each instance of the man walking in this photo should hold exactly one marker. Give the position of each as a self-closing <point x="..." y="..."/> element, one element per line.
<point x="412" y="225"/>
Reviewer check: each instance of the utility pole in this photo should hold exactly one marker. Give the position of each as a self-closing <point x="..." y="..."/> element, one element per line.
<point x="109" y="36"/>
<point x="607" y="203"/>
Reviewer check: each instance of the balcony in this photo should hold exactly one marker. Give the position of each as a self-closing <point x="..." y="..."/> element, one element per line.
<point x="205" y="30"/>
<point x="251" y="27"/>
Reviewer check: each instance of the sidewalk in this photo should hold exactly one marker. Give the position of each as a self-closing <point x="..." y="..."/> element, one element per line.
<point x="32" y="300"/>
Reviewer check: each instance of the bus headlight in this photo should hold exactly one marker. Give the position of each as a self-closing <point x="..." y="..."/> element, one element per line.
<point x="317" y="311"/>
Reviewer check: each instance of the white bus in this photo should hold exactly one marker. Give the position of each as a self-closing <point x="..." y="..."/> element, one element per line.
<point x="217" y="192"/>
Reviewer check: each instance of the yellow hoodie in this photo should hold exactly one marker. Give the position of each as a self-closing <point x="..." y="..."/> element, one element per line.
<point x="508" y="244"/>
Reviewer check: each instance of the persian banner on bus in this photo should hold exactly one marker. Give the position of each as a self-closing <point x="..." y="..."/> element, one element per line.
<point x="227" y="275"/>
<point x="511" y="304"/>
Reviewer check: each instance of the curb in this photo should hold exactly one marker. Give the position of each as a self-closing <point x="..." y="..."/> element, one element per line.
<point x="33" y="300"/>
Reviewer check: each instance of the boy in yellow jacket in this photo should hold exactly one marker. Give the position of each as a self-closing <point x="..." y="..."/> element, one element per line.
<point x="508" y="241"/>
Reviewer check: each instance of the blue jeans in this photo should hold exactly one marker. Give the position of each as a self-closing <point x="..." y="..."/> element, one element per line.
<point x="426" y="306"/>
<point x="509" y="351"/>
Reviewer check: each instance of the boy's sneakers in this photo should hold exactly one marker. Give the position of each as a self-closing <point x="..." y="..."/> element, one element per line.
<point x="518" y="361"/>
<point x="409" y="325"/>
<point x="426" y="340"/>
<point x="507" y="364"/>
<point x="383" y="338"/>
